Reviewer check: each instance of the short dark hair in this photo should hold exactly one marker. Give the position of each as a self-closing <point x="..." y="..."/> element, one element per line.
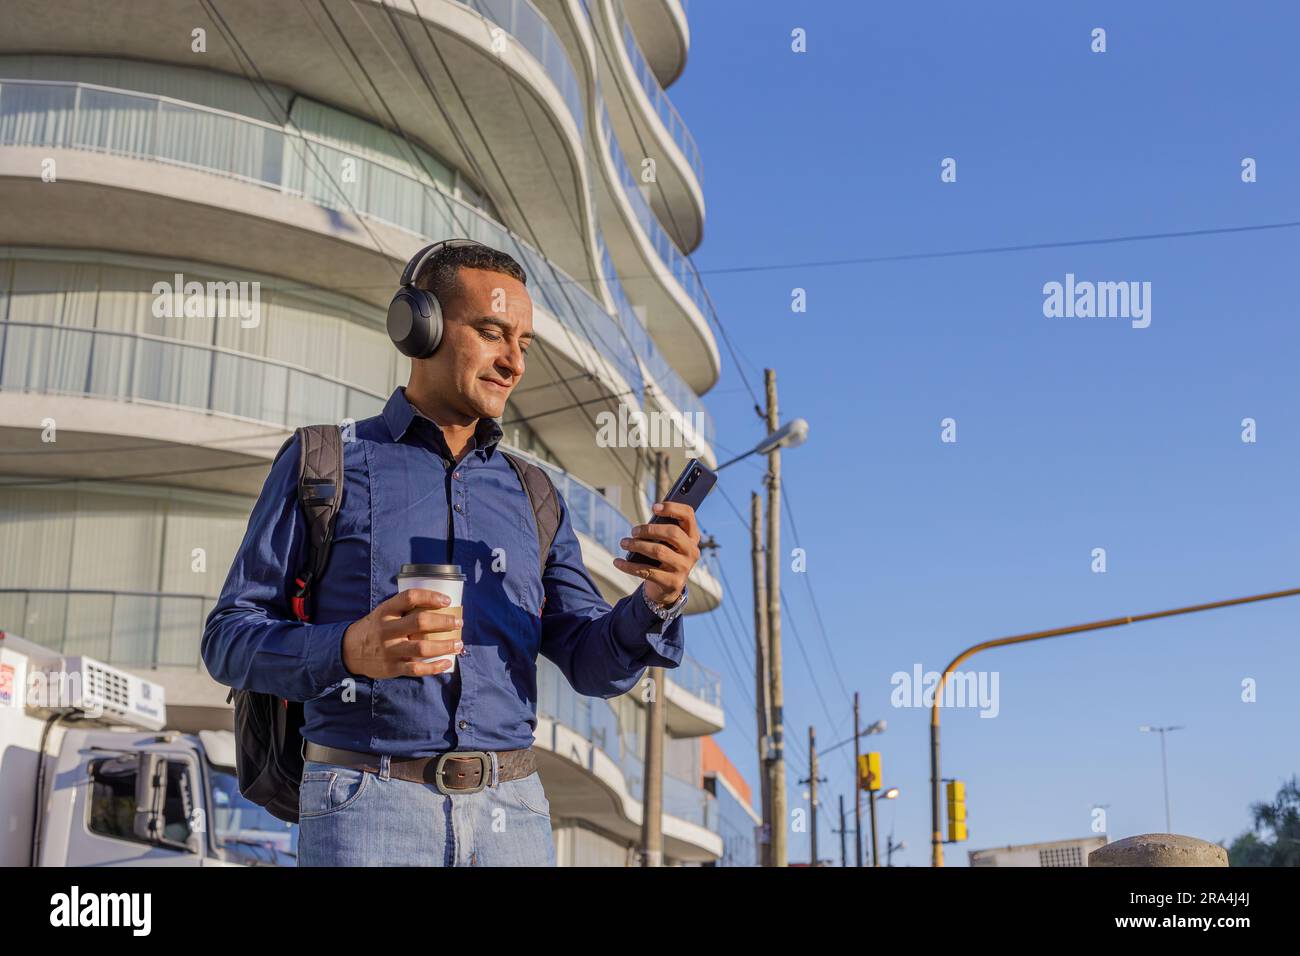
<point x="439" y="274"/>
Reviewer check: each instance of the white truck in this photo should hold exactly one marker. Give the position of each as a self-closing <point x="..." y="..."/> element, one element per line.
<point x="90" y="776"/>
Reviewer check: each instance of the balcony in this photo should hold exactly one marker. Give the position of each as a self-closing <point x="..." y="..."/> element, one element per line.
<point x="191" y="401"/>
<point x="648" y="125"/>
<point x="678" y="395"/>
<point x="523" y="100"/>
<point x="142" y="629"/>
<point x="594" y="516"/>
<point x="670" y="257"/>
<point x="580" y="739"/>
<point x="580" y="335"/>
<point x="78" y="116"/>
<point x="663" y="106"/>
<point x="658" y="277"/>
<point x="663" y="34"/>
<point x="167" y="375"/>
<point x="694" y="697"/>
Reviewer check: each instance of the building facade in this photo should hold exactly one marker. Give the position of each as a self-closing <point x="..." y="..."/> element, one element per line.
<point x="206" y="205"/>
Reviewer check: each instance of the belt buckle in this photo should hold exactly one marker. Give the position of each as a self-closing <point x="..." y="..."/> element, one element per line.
<point x="484" y="777"/>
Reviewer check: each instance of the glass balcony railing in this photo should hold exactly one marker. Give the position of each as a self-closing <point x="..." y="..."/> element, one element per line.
<point x="672" y="258"/>
<point x="125" y="628"/>
<point x="668" y="114"/>
<point x="525" y="23"/>
<point x="699" y="680"/>
<point x="591" y="512"/>
<point x="145" y="126"/>
<point x="661" y="371"/>
<point x="136" y="367"/>
<point x="595" y="720"/>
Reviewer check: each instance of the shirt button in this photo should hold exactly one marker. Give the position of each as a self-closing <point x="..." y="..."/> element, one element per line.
<point x="456" y="475"/>
<point x="463" y="724"/>
<point x="458" y="509"/>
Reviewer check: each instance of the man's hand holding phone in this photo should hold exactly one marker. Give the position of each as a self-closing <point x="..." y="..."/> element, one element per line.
<point x="673" y="543"/>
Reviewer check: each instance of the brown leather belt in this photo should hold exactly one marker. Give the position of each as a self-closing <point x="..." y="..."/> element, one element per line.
<point x="455" y="771"/>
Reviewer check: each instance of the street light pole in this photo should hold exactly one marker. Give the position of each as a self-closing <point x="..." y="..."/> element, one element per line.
<point x="789" y="435"/>
<point x="1164" y="766"/>
<point x="936" y="840"/>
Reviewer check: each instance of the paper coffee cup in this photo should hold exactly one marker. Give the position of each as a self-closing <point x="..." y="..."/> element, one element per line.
<point x="445" y="579"/>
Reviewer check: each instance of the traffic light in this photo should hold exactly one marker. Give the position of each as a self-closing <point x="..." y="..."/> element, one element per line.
<point x="956" y="811"/>
<point x="869" y="771"/>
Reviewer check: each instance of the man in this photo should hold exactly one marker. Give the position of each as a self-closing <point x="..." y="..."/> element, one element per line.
<point x="423" y="482"/>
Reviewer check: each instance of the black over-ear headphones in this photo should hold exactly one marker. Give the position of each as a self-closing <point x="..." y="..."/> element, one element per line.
<point x="414" y="315"/>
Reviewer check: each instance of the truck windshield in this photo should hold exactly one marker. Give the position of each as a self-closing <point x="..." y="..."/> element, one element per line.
<point x="247" y="832"/>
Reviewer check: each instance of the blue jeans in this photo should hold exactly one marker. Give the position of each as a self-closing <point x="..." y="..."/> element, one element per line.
<point x="352" y="818"/>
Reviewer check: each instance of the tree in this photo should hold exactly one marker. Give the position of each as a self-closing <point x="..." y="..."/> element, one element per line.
<point x="1281" y="820"/>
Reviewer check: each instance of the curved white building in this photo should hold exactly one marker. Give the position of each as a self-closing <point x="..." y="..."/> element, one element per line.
<point x="305" y="150"/>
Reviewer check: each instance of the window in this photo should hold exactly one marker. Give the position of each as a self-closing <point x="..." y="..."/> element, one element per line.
<point x="112" y="799"/>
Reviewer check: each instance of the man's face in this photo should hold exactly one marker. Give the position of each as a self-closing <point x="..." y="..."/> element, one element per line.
<point x="487" y="328"/>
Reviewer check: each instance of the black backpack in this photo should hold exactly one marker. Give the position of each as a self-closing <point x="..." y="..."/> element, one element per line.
<point x="268" y="729"/>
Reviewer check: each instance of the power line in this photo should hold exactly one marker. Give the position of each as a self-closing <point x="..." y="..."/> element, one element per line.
<point x="727" y="589"/>
<point x="729" y="595"/>
<point x="812" y="596"/>
<point x="1019" y="247"/>
<point x="903" y="257"/>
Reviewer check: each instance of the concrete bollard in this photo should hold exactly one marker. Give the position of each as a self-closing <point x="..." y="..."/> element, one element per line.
<point x="1159" y="849"/>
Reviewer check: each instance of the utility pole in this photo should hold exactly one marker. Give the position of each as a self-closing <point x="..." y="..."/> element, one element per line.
<point x="652" y="806"/>
<point x="760" y="674"/>
<point x="892" y="848"/>
<point x="777" y="696"/>
<point x="812" y="789"/>
<point x="857" y="787"/>
<point x="844" y="847"/>
<point x="812" y="793"/>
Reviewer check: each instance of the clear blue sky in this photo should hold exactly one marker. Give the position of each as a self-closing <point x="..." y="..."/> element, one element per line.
<point x="1073" y="434"/>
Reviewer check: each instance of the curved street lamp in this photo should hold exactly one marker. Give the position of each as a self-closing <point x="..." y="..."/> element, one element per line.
<point x="936" y="836"/>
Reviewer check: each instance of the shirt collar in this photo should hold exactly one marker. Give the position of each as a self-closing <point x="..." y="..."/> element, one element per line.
<point x="399" y="414"/>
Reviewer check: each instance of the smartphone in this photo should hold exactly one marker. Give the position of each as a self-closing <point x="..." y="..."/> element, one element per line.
<point x="691" y="488"/>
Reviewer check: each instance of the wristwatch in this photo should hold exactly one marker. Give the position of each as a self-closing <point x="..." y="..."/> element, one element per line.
<point x="666" y="612"/>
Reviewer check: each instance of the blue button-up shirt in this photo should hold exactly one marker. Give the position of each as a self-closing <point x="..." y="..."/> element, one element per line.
<point x="405" y="500"/>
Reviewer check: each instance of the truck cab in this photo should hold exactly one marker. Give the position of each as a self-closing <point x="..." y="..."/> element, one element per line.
<point x="86" y="781"/>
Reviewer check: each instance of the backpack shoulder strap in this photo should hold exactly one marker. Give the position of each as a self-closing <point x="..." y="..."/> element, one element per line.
<point x="544" y="499"/>
<point x="320" y="495"/>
